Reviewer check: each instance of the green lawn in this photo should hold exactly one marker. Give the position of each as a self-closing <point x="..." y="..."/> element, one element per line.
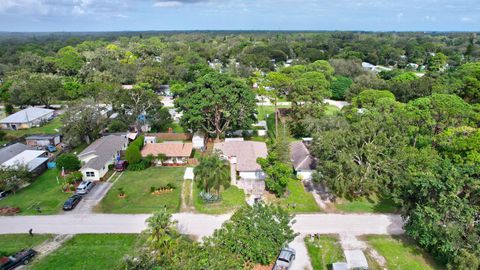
<point x="262" y="111"/>
<point x="176" y="128"/>
<point x="12" y="243"/>
<point x="323" y="251"/>
<point x="367" y="206"/>
<point x="51" y="127"/>
<point x="137" y="189"/>
<point x="232" y="198"/>
<point x="44" y="192"/>
<point x="299" y="200"/>
<point x="401" y="254"/>
<point x="88" y="252"/>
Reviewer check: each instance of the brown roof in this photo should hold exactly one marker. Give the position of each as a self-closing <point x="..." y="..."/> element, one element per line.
<point x="246" y="153"/>
<point x="169" y="149"/>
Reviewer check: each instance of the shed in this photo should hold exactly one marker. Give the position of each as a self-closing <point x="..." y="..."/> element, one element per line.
<point x="43" y="140"/>
<point x="198" y="140"/>
<point x="189" y="175"/>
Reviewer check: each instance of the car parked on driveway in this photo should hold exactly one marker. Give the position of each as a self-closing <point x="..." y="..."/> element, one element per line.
<point x="71" y="202"/>
<point x="22" y="257"/>
<point x="121" y="165"/>
<point x="285" y="259"/>
<point x="85" y="187"/>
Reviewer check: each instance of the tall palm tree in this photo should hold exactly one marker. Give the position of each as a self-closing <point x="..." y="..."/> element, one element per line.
<point x="212" y="173"/>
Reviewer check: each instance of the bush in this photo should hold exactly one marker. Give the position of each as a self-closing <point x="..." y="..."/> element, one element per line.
<point x="339" y="86"/>
<point x="117" y="126"/>
<point x="73" y="177"/>
<point x="133" y="155"/>
<point x="69" y="162"/>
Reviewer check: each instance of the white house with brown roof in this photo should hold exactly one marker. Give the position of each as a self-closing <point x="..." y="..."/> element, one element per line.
<point x="99" y="155"/>
<point x="304" y="164"/>
<point x="176" y="153"/>
<point x="243" y="155"/>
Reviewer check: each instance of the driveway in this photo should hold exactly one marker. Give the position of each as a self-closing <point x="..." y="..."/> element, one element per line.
<point x="89" y="201"/>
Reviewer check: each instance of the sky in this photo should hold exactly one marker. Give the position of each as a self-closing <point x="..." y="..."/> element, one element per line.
<point x="141" y="15"/>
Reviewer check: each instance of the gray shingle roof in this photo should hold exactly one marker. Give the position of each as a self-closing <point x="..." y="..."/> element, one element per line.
<point x="105" y="149"/>
<point x="11" y="151"/>
<point x="26" y="115"/>
<point x="246" y="152"/>
<point x="301" y="158"/>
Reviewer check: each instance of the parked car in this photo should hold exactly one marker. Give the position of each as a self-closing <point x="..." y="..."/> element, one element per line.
<point x="84" y="187"/>
<point x="51" y="148"/>
<point x="121" y="166"/>
<point x="285" y="259"/>
<point x="22" y="257"/>
<point x="71" y="202"/>
<point x="3" y="194"/>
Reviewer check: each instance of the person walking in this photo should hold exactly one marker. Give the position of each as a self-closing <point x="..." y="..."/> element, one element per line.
<point x="30" y="232"/>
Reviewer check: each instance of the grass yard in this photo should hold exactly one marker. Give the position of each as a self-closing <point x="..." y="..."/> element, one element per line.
<point x="323" y="251"/>
<point x="331" y="110"/>
<point x="263" y="111"/>
<point x="176" y="128"/>
<point x="232" y="198"/>
<point x="137" y="190"/>
<point x="12" y="243"/>
<point x="51" y="127"/>
<point x="44" y="192"/>
<point x="88" y="251"/>
<point x="299" y="200"/>
<point x="367" y="206"/>
<point x="401" y="253"/>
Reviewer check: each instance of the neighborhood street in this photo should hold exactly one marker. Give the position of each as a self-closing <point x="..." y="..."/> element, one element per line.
<point x="198" y="225"/>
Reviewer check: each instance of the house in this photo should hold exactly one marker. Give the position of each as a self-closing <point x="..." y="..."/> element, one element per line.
<point x="176" y="153"/>
<point x="24" y="155"/>
<point x="43" y="140"/>
<point x="99" y="155"/>
<point x="243" y="156"/>
<point x="27" y="118"/>
<point x="303" y="163"/>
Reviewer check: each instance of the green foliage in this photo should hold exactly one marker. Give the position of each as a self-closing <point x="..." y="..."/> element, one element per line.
<point x="278" y="173"/>
<point x="255" y="233"/>
<point x="212" y="173"/>
<point x="82" y="123"/>
<point x="370" y="98"/>
<point x="12" y="178"/>
<point x="339" y="86"/>
<point x="117" y="126"/>
<point x="73" y="177"/>
<point x="133" y="155"/>
<point x="216" y="103"/>
<point x="68" y="61"/>
<point x="69" y="162"/>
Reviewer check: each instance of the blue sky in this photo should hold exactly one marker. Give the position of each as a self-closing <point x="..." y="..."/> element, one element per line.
<point x="117" y="15"/>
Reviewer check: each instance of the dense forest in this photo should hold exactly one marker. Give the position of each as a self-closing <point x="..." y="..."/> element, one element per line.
<point x="411" y="133"/>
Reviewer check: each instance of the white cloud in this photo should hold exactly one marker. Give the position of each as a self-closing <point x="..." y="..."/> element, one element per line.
<point x="168" y="4"/>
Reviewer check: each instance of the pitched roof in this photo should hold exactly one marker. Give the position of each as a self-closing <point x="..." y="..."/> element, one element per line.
<point x="169" y="149"/>
<point x="31" y="158"/>
<point x="10" y="151"/>
<point x="301" y="158"/>
<point x="26" y="115"/>
<point x="246" y="153"/>
<point x="105" y="149"/>
<point x="42" y="137"/>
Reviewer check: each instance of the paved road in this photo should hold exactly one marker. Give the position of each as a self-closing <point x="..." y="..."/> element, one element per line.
<point x="197" y="224"/>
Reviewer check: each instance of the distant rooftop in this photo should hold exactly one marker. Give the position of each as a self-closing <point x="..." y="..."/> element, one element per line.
<point x="26" y="115"/>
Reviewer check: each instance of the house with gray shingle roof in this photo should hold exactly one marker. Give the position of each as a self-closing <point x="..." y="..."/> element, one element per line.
<point x="304" y="164"/>
<point x="99" y="155"/>
<point x="26" y="118"/>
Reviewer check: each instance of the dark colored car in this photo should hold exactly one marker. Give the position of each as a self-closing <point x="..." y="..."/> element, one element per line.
<point x="3" y="194"/>
<point x="285" y="259"/>
<point x="121" y="165"/>
<point x="72" y="202"/>
<point x="22" y="257"/>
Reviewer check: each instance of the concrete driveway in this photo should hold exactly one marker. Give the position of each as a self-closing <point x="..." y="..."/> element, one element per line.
<point x="89" y="201"/>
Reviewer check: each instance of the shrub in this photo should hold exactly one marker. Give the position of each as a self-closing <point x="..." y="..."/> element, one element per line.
<point x="133" y="155"/>
<point x="73" y="177"/>
<point x="121" y="191"/>
<point x="117" y="126"/>
<point x="72" y="188"/>
<point x="69" y="162"/>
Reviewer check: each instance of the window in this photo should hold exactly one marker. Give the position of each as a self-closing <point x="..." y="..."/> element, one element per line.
<point x="90" y="174"/>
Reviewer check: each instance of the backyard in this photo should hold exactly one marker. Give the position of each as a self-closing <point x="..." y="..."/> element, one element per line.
<point x="51" y="127"/>
<point x="232" y="198"/>
<point x="400" y="253"/>
<point x="44" y="192"/>
<point x="138" y="197"/>
<point x="88" y="251"/>
<point x="13" y="243"/>
<point x="323" y="251"/>
<point x="298" y="200"/>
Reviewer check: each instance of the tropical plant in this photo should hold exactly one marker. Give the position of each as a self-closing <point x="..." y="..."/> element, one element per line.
<point x="212" y="173"/>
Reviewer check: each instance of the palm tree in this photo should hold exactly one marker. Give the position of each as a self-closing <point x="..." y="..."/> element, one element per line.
<point x="212" y="173"/>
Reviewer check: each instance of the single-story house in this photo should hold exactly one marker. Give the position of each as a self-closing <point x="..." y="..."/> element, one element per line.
<point x="99" y="155"/>
<point x="304" y="164"/>
<point x="43" y="140"/>
<point x="176" y="153"/>
<point x="23" y="155"/>
<point x="27" y="118"/>
<point x="243" y="155"/>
